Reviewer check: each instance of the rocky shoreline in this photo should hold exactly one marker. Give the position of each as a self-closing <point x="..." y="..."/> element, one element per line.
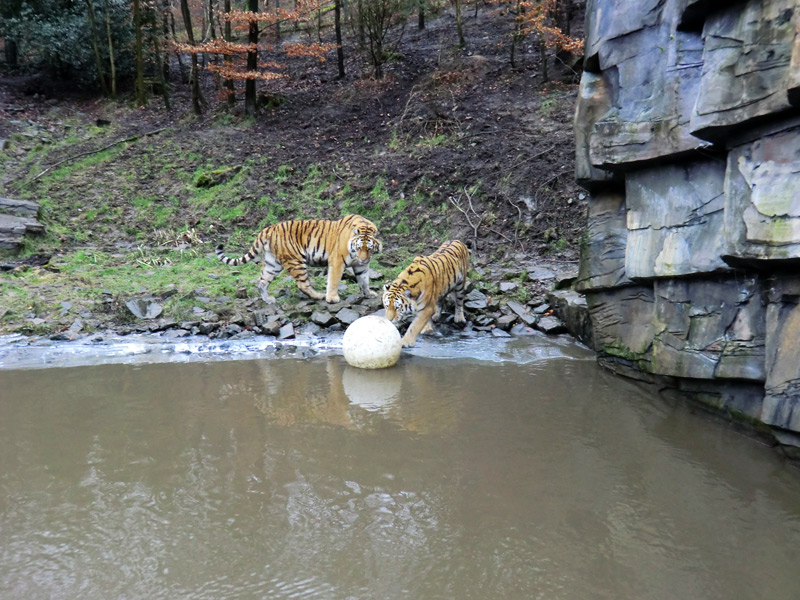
<point x="496" y="314"/>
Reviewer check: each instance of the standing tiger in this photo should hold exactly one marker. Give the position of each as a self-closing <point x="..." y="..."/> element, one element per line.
<point x="418" y="289"/>
<point x="296" y="245"/>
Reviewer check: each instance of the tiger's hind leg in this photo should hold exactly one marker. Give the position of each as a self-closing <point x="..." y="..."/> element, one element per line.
<point x="269" y="272"/>
<point x="298" y="270"/>
<point x="458" y="300"/>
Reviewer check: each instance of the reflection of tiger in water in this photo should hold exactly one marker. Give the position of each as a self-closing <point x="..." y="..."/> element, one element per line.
<point x="418" y="289"/>
<point x="296" y="245"/>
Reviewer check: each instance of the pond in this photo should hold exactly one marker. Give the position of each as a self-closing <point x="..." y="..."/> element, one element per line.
<point x="473" y="469"/>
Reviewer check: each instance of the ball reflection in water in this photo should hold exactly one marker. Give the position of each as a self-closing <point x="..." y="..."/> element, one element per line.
<point x="371" y="342"/>
<point x="373" y="390"/>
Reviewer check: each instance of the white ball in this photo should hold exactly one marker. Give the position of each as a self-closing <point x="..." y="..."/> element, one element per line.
<point x="371" y="342"/>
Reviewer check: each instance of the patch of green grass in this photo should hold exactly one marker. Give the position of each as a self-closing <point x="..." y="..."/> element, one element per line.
<point x="104" y="156"/>
<point x="282" y="174"/>
<point x="227" y="214"/>
<point x="432" y="141"/>
<point x="379" y="192"/>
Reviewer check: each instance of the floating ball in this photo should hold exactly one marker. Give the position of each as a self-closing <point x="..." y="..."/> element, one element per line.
<point x="371" y="342"/>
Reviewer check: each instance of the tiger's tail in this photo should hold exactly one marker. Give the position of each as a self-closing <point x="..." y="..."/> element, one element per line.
<point x="245" y="258"/>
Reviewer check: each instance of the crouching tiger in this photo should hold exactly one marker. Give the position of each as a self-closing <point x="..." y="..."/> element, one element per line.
<point x="418" y="289"/>
<point x="296" y="245"/>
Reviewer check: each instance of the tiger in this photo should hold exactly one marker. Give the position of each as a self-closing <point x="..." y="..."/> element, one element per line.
<point x="296" y="245"/>
<point x="418" y="289"/>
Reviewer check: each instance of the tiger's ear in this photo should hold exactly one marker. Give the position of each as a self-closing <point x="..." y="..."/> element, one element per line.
<point x="380" y="245"/>
<point x="408" y="293"/>
<point x="385" y="288"/>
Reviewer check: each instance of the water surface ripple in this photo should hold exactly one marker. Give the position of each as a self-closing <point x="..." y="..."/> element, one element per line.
<point x="489" y="469"/>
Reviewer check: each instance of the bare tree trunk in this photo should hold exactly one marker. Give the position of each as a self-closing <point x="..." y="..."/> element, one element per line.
<point x="517" y="36"/>
<point x="229" y="84"/>
<point x="378" y="59"/>
<point x="111" y="60"/>
<point x="212" y="33"/>
<point x="98" y="61"/>
<point x="166" y="9"/>
<point x="181" y="67"/>
<point x="250" y="104"/>
<point x="337" y="7"/>
<point x="194" y="77"/>
<point x="461" y="41"/>
<point x="420" y="14"/>
<point x="564" y="10"/>
<point x="141" y="92"/>
<point x="11" y="53"/>
<point x="161" y="57"/>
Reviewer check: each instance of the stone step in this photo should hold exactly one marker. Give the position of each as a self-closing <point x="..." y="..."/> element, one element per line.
<point x="17" y="219"/>
<point x="19" y="208"/>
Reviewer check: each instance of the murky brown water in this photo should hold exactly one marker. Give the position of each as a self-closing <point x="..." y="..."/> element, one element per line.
<point x="455" y="479"/>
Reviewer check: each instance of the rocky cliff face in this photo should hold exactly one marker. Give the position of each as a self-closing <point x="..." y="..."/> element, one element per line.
<point x="688" y="139"/>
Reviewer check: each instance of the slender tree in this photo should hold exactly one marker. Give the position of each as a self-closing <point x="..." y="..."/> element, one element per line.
<point x="141" y="91"/>
<point x="250" y="104"/>
<point x="230" y="85"/>
<point x="98" y="59"/>
<point x="194" y="77"/>
<point x="459" y="25"/>
<point x="378" y="17"/>
<point x="112" y="64"/>
<point x="244" y="64"/>
<point x="339" y="44"/>
<point x="537" y="18"/>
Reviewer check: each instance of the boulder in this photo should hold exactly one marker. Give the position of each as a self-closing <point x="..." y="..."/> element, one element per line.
<point x="143" y="308"/>
<point x="571" y="307"/>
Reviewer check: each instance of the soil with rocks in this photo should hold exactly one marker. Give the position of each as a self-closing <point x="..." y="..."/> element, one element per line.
<point x="489" y="147"/>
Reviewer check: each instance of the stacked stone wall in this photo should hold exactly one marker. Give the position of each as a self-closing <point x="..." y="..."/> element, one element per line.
<point x="688" y="139"/>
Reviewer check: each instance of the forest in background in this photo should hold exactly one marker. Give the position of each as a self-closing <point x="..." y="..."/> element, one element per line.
<point x="464" y="133"/>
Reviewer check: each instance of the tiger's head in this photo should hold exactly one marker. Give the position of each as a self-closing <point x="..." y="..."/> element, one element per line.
<point x="363" y="243"/>
<point x="399" y="304"/>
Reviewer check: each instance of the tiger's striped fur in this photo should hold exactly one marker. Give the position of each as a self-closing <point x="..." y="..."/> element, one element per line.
<point x="296" y="245"/>
<point x="418" y="289"/>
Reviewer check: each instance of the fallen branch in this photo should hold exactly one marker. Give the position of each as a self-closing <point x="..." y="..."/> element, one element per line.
<point x="89" y="153"/>
<point x="457" y="204"/>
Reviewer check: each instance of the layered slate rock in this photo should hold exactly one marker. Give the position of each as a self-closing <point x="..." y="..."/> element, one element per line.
<point x="594" y="104"/>
<point x="17" y="219"/>
<point x="675" y="220"/>
<point x="747" y="52"/>
<point x="651" y="73"/>
<point x="622" y="320"/>
<point x="762" y="197"/>
<point x="688" y="141"/>
<point x="782" y="401"/>
<point x="603" y="264"/>
<point x="706" y="329"/>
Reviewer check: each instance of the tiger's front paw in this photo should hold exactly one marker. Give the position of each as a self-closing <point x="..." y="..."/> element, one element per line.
<point x="406" y="342"/>
<point x="332" y="299"/>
